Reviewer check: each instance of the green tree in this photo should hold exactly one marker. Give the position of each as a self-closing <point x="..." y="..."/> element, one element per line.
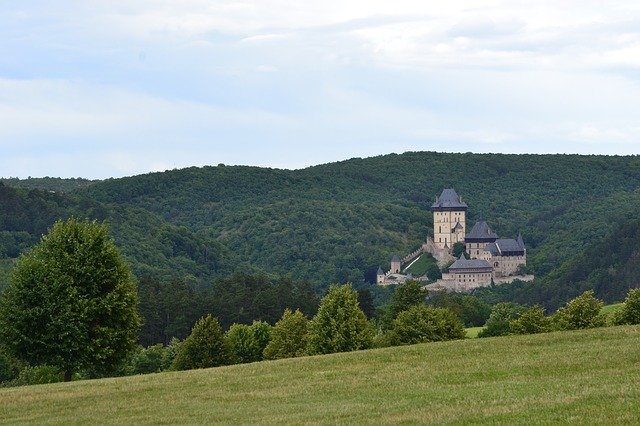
<point x="458" y="249"/>
<point x="247" y="342"/>
<point x="531" y="321"/>
<point x="289" y="336"/>
<point x="407" y="295"/>
<point x="71" y="302"/>
<point x="422" y="323"/>
<point x="205" y="347"/>
<point x="340" y="325"/>
<point x="581" y="312"/>
<point x="630" y="312"/>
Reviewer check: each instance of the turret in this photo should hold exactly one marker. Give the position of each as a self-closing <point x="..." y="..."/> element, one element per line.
<point x="380" y="276"/>
<point x="395" y="265"/>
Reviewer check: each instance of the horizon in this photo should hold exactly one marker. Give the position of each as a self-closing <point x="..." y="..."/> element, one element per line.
<point x="113" y="89"/>
<point x="316" y="165"/>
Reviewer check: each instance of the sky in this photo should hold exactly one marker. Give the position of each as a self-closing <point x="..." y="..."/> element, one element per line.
<point x="112" y="88"/>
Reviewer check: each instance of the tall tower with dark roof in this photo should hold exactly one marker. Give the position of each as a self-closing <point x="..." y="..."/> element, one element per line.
<point x="449" y="219"/>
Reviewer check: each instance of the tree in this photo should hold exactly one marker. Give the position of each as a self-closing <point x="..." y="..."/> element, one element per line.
<point x="458" y="249"/>
<point x="340" y="325"/>
<point x="581" y="312"/>
<point x="247" y="342"/>
<point x="365" y="300"/>
<point x="205" y="347"/>
<point x="630" y="312"/>
<point x="288" y="336"/>
<point x="531" y="321"/>
<point x="422" y="323"/>
<point x="71" y="302"/>
<point x="407" y="295"/>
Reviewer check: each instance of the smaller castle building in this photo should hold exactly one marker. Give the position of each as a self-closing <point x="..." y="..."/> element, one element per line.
<point x="467" y="274"/>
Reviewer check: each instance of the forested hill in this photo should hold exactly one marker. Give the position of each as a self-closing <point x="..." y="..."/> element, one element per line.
<point x="337" y="221"/>
<point x="153" y="246"/>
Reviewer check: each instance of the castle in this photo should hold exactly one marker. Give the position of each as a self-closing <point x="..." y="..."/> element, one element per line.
<point x="491" y="259"/>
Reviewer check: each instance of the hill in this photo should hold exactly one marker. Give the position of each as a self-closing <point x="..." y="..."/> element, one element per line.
<point x="610" y="266"/>
<point x="579" y="377"/>
<point x="338" y="222"/>
<point x="154" y="246"/>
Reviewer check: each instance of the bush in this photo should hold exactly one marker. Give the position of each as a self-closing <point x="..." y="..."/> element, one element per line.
<point x="498" y="322"/>
<point x="531" y="321"/>
<point x="149" y="360"/>
<point x="247" y="342"/>
<point x="38" y="375"/>
<point x="340" y="325"/>
<point x="9" y="367"/>
<point x="288" y="336"/>
<point x="421" y="324"/>
<point x="581" y="312"/>
<point x="630" y="312"/>
<point x="205" y="347"/>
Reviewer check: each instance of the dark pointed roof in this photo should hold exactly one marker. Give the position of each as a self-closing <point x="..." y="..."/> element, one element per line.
<point x="458" y="226"/>
<point x="449" y="200"/>
<point x="395" y="259"/>
<point x="482" y="232"/>
<point x="380" y="271"/>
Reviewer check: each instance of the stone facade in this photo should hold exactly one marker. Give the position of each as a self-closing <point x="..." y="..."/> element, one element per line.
<point x="468" y="274"/>
<point x="449" y="219"/>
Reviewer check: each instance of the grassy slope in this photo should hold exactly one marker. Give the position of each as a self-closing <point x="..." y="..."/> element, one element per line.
<point x="579" y="377"/>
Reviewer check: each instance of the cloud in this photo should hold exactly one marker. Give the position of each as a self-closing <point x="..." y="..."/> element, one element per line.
<point x="125" y="87"/>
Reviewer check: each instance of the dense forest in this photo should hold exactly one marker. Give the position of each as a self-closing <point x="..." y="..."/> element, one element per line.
<point x="338" y="222"/>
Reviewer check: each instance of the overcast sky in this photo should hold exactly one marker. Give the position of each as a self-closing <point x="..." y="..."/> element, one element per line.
<point x="114" y="87"/>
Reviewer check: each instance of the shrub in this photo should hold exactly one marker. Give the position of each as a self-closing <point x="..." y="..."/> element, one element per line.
<point x="288" y="336"/>
<point x="581" y="312"/>
<point x="498" y="322"/>
<point x="247" y="342"/>
<point x="38" y="375"/>
<point x="205" y="347"/>
<point x="630" y="312"/>
<point x="9" y="367"/>
<point x="531" y="321"/>
<point x="421" y="324"/>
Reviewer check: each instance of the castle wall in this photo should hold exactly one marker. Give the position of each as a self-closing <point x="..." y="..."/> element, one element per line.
<point x="467" y="280"/>
<point x="506" y="265"/>
<point x="476" y="251"/>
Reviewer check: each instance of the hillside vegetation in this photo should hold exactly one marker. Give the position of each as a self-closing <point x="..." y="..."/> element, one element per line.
<point x="586" y="376"/>
<point x="338" y="222"/>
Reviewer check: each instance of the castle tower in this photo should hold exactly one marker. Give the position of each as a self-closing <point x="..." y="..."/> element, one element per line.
<point x="449" y="219"/>
<point x="395" y="265"/>
<point x="380" y="276"/>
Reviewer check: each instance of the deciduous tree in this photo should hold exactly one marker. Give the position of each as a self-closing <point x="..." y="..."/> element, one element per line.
<point x="340" y="325"/>
<point x="71" y="302"/>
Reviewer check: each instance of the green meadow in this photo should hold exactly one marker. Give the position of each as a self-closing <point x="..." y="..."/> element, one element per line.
<point x="581" y="377"/>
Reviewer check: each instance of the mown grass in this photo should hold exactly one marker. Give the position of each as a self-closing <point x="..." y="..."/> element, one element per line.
<point x="420" y="266"/>
<point x="579" y="377"/>
<point x="472" y="332"/>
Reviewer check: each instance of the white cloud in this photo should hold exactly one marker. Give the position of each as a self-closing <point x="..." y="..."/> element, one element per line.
<point x="147" y="85"/>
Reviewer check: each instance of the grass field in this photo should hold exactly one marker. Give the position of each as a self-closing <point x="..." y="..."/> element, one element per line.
<point x="420" y="266"/>
<point x="579" y="377"/>
<point x="472" y="332"/>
